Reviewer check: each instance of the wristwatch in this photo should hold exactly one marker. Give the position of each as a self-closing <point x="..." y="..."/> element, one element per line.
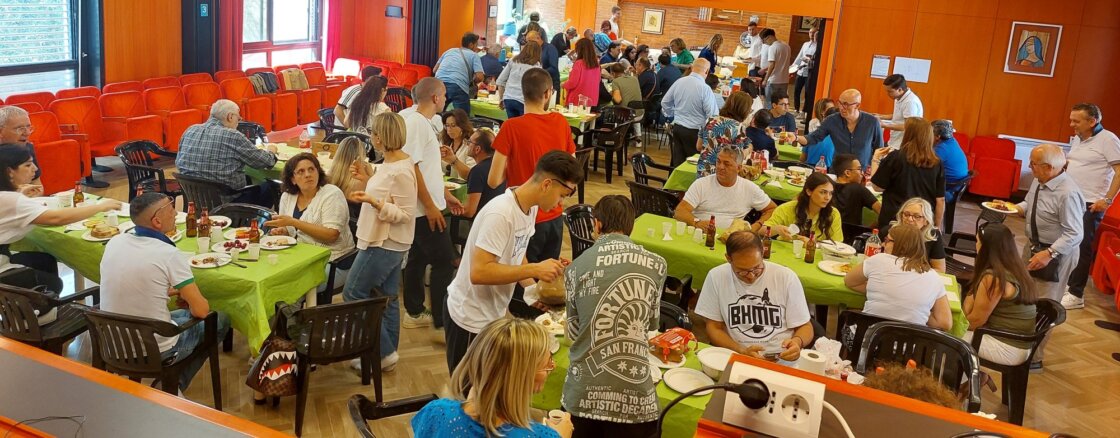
<point x="1052" y="252"/>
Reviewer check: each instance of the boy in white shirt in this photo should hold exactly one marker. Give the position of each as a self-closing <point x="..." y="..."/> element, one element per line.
<point x="751" y="304"/>
<point x="494" y="256"/>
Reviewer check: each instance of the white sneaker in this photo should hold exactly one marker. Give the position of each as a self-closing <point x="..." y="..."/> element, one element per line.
<point x="422" y="320"/>
<point x="387" y="363"/>
<point x="1071" y="302"/>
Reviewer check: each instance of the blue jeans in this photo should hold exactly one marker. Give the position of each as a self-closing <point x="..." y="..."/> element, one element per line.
<point x="514" y="108"/>
<point x="377" y="267"/>
<point x="190" y="339"/>
<point x="458" y="97"/>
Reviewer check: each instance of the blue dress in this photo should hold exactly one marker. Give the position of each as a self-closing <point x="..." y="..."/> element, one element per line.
<point x="444" y="418"/>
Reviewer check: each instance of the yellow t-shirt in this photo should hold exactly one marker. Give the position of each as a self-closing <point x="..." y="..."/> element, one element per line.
<point x="786" y="215"/>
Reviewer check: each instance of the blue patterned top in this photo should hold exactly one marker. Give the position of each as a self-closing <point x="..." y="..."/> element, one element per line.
<point x="717" y="132"/>
<point x="445" y="418"/>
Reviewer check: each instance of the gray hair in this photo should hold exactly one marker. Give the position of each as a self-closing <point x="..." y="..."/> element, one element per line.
<point x="943" y="129"/>
<point x="730" y="148"/>
<point x="1052" y="155"/>
<point x="1091" y="110"/>
<point x="8" y="112"/>
<point x="927" y="212"/>
<point x="222" y="108"/>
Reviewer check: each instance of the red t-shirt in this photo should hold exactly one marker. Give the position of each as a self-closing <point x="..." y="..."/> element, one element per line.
<point x="524" y="140"/>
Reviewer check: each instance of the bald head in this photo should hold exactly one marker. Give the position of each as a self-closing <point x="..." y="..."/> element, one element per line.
<point x="849" y="104"/>
<point x="426" y="89"/>
<point x="701" y="66"/>
<point x="1047" y="162"/>
<point x="853" y="94"/>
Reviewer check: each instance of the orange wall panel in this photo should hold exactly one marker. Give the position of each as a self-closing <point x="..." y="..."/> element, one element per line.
<point x="582" y="14"/>
<point x="455" y="19"/>
<point x="1042" y="11"/>
<point x="132" y="52"/>
<point x="367" y="33"/>
<point x="957" y="92"/>
<point x="857" y="43"/>
<point x="810" y="8"/>
<point x="967" y="8"/>
<point x="1095" y="75"/>
<point x="1101" y="13"/>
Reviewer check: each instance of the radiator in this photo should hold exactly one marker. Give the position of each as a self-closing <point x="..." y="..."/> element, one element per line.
<point x="1023" y="147"/>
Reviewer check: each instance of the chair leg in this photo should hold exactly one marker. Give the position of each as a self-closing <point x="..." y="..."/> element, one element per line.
<point x="608" y="159"/>
<point x="581" y="189"/>
<point x="301" y="396"/>
<point x="216" y="373"/>
<point x="595" y="160"/>
<point x="378" y="396"/>
<point x="1005" y="382"/>
<point x="169" y="381"/>
<point x="227" y="342"/>
<point x="1017" y="389"/>
<point x="621" y="159"/>
<point x="367" y="364"/>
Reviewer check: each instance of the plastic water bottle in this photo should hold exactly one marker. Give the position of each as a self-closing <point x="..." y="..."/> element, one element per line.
<point x="304" y="140"/>
<point x="874" y="245"/>
<point x="821" y="166"/>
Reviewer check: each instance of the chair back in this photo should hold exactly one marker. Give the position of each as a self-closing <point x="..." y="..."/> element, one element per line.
<point x="31" y="107"/>
<point x="363" y="409"/>
<point x="780" y="164"/>
<point x="486" y="122"/>
<point x="1049" y="314"/>
<point x="652" y="200"/>
<point x="963" y="141"/>
<point x="406" y="77"/>
<point x="118" y="87"/>
<point x="222" y="76"/>
<point x="337" y="137"/>
<point x="343" y="331"/>
<point x="615" y="115"/>
<point x="950" y="359"/>
<point x="853" y="232"/>
<point x="638" y="163"/>
<point x="201" y="95"/>
<point x="986" y="217"/>
<point x="195" y="78"/>
<point x="166" y="81"/>
<point x="252" y="131"/>
<point x="83" y="112"/>
<point x="397" y="98"/>
<point x="673" y="316"/>
<point x="164" y="100"/>
<point x="18" y="319"/>
<point x="137" y="159"/>
<point x="852" y="327"/>
<point x="326" y="121"/>
<point x="203" y="193"/>
<point x="992" y="147"/>
<point x="243" y="214"/>
<point x="124" y="104"/>
<point x="78" y="92"/>
<point x="46" y="128"/>
<point x="953" y="192"/>
<point x="581" y="228"/>
<point x="316" y="76"/>
<point x="43" y="98"/>
<point x="126" y="344"/>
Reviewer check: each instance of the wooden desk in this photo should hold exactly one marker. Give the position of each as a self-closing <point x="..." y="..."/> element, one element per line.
<point x="39" y="384"/>
<point x="869" y="412"/>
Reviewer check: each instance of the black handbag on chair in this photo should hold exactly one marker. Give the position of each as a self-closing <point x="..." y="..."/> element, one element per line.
<point x="1050" y="271"/>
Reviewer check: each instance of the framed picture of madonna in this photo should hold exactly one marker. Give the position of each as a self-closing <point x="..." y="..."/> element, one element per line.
<point x="1032" y="48"/>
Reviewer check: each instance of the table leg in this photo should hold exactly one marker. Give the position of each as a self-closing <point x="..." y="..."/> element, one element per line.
<point x="311" y="298"/>
<point x="833" y="322"/>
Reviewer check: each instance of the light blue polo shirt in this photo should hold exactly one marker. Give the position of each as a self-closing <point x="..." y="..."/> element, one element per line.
<point x="453" y="70"/>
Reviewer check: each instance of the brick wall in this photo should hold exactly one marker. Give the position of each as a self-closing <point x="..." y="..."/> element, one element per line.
<point x="552" y="14"/>
<point x="679" y="23"/>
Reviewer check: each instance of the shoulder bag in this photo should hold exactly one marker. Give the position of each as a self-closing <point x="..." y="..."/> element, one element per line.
<point x="1050" y="271"/>
<point x="472" y="91"/>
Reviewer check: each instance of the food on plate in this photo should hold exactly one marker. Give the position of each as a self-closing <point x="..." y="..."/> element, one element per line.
<point x="797" y="179"/>
<point x="91" y="223"/>
<point x="204" y="261"/>
<point x="103" y="231"/>
<point x="671" y="346"/>
<point x="845" y="268"/>
<point x="1002" y="205"/>
<point x="242" y="233"/>
<point x="749" y="172"/>
<point x="277" y="243"/>
<point x="231" y="244"/>
<point x="220" y="223"/>
<point x="736" y="225"/>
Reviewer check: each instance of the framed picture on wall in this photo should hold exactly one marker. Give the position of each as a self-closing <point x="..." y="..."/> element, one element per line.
<point x="653" y="21"/>
<point x="493" y="11"/>
<point x="806" y="23"/>
<point x="1032" y="49"/>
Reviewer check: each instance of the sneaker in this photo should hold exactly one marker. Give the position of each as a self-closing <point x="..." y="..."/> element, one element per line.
<point x="1070" y="302"/>
<point x="424" y="319"/>
<point x="1036" y="367"/>
<point x="388" y="363"/>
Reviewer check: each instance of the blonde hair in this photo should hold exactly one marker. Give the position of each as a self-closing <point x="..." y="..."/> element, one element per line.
<point x="910" y="248"/>
<point x="351" y="149"/>
<point x="499" y="369"/>
<point x="927" y="212"/>
<point x="388" y="127"/>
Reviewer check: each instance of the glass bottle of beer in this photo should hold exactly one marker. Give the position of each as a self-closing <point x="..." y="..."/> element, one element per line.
<point x="192" y="221"/>
<point x="710" y="234"/>
<point x="204" y="223"/>
<point x="811" y="248"/>
<point x="79" y="197"/>
<point x="766" y="243"/>
<point x="254" y="232"/>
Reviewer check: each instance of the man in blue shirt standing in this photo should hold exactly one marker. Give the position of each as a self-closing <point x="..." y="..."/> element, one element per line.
<point x="853" y="131"/>
<point x="457" y="67"/>
<point x="690" y="102"/>
<point x="550" y="58"/>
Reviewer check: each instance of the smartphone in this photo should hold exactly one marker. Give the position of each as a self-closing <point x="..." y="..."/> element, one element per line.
<point x="772" y="353"/>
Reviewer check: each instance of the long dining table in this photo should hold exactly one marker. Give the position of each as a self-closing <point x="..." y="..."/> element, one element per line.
<point x="684" y="256"/>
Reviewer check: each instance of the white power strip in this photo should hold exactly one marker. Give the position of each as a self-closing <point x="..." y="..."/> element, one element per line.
<point x="794" y="408"/>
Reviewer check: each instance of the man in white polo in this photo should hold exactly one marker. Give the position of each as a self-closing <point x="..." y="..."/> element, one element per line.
<point x="906" y="105"/>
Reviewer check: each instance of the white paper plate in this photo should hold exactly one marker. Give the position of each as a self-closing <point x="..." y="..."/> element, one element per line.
<point x="992" y="206"/>
<point x="231" y="234"/>
<point x="275" y="243"/>
<point x="839" y="248"/>
<point x="832" y="267"/>
<point x="224" y="221"/>
<point x="714" y="357"/>
<point x="180" y="218"/>
<point x="553" y="327"/>
<point x="655" y="373"/>
<point x="81" y="225"/>
<point x="219" y="260"/>
<point x="683" y="380"/>
<point x="451" y="185"/>
<point x="554" y="346"/>
<point x="656" y="361"/>
<point x="693" y="159"/>
<point x="88" y="236"/>
<point x="126" y="226"/>
<point x="220" y="247"/>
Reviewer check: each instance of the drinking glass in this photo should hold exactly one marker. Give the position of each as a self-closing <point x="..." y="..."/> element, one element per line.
<point x="680" y="228"/>
<point x="698" y="235"/>
<point x="666" y="227"/>
<point x="798" y="248"/>
<point x="203" y="245"/>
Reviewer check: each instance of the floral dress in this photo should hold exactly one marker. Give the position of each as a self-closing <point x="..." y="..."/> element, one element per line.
<point x="717" y="132"/>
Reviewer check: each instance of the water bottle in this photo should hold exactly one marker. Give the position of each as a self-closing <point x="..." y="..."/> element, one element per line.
<point x="821" y="166"/>
<point x="304" y="140"/>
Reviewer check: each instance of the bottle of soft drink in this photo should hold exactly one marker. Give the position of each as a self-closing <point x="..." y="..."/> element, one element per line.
<point x="78" y="196"/>
<point x="254" y="233"/>
<point x="710" y="234"/>
<point x="204" y="223"/>
<point x="304" y="140"/>
<point x="873" y="245"/>
<point x="811" y="248"/>
<point x="764" y="160"/>
<point x="766" y="243"/>
<point x="192" y="221"/>
<point x="821" y="166"/>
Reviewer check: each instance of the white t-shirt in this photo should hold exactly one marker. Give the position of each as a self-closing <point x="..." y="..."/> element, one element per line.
<point x="771" y="308"/>
<point x="909" y="105"/>
<point x="1090" y="164"/>
<point x="897" y="294"/>
<point x="15" y="221"/>
<point x="709" y="198"/>
<point x="139" y="271"/>
<point x="779" y="54"/>
<point x="502" y="229"/>
<point x="422" y="146"/>
<point x="755" y="50"/>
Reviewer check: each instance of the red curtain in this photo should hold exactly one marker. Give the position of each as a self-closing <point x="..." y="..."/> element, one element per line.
<point x="332" y="44"/>
<point x="231" y="14"/>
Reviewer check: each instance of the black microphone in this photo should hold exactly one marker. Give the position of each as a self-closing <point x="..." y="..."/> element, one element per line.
<point x="752" y="392"/>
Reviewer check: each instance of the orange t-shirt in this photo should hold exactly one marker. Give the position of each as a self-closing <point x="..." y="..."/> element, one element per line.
<point x="524" y="140"/>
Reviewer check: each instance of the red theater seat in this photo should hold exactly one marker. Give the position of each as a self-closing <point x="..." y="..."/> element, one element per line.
<point x="78" y="92"/>
<point x="166" y="81"/>
<point x="308" y="100"/>
<point x="194" y="78"/>
<point x="63" y="160"/>
<point x="169" y="104"/>
<point x="317" y="78"/>
<point x="85" y="114"/>
<point x="42" y="98"/>
<point x="118" y="87"/>
<point x="221" y="76"/>
<point x="201" y="95"/>
<point x="257" y="109"/>
<point x="126" y="114"/>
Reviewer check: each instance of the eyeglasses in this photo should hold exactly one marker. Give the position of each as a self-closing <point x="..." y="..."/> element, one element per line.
<point x="782" y="104"/>
<point x="913" y="216"/>
<point x="154" y="213"/>
<point x="26" y="129"/>
<point x="848" y="104"/>
<point x="754" y="272"/>
<point x="549" y="366"/>
<point x="888" y="240"/>
<point x="571" y="190"/>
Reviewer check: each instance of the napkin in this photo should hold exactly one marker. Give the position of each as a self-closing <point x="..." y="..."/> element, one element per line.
<point x="773" y="183"/>
<point x="531" y="295"/>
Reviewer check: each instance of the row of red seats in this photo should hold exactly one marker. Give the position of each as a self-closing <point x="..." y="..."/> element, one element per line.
<point x="992" y="159"/>
<point x="397" y="74"/>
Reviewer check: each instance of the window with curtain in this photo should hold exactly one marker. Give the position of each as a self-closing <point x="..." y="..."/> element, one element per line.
<point x="38" y="45"/>
<point x="278" y="32"/>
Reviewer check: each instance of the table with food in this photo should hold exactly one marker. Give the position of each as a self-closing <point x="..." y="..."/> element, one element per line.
<point x="485" y="107"/>
<point x="244" y="285"/>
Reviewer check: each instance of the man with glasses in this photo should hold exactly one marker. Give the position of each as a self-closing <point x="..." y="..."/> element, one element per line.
<point x="479" y="192"/>
<point x="751" y="305"/>
<point x="216" y="151"/>
<point x="15" y="128"/>
<point x="852" y="131"/>
<point x="781" y="118"/>
<point x="851" y="196"/>
<point x="143" y="271"/>
<point x="906" y="105"/>
<point x="495" y="255"/>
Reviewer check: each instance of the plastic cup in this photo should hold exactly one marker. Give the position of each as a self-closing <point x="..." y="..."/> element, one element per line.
<point x="649" y="232"/>
<point x="666" y="227"/>
<point x="112" y="219"/>
<point x="65" y="199"/>
<point x="215" y="234"/>
<point x="698" y="235"/>
<point x="324" y="156"/>
<point x="273" y="259"/>
<point x="680" y="227"/>
<point x="235" y="255"/>
<point x="798" y="248"/>
<point x="254" y="252"/>
<point x="203" y="245"/>
<point x="690" y="230"/>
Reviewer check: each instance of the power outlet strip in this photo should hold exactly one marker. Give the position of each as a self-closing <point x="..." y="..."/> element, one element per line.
<point x="794" y="409"/>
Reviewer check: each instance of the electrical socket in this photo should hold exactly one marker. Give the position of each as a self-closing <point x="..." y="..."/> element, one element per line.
<point x="794" y="408"/>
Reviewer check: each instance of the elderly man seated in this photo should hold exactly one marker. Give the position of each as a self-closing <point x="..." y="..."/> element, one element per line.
<point x="148" y="271"/>
<point x="214" y="150"/>
<point x="724" y="195"/>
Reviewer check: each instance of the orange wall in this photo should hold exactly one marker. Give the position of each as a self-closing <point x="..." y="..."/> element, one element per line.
<point x="456" y="17"/>
<point x="966" y="41"/>
<point x="132" y="51"/>
<point x="368" y="33"/>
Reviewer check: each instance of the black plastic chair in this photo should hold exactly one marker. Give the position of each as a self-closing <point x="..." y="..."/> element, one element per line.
<point x="652" y="200"/>
<point x="953" y="193"/>
<point x="205" y="193"/>
<point x="964" y="244"/>
<point x="781" y="164"/>
<point x="338" y="136"/>
<point x="344" y="262"/>
<point x="652" y="115"/>
<point x="363" y="409"/>
<point x="243" y="214"/>
<point x="327" y="121"/>
<point x="612" y="137"/>
<point x="397" y="99"/>
<point x="853" y="232"/>
<point x="950" y="359"/>
<point x="486" y="122"/>
<point x="253" y="131"/>
<point x="142" y="173"/>
<point x="1050" y="314"/>
<point x="678" y="290"/>
<point x="335" y="333"/>
<point x="581" y="228"/>
<point x="19" y="322"/>
<point x="641" y="163"/>
<point x="852" y="327"/>
<point x="583" y="156"/>
<point x="673" y="316"/>
<point x="127" y="345"/>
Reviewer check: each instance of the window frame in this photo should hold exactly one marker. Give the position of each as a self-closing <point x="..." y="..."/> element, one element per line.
<point x="315" y="41"/>
<point x="73" y="64"/>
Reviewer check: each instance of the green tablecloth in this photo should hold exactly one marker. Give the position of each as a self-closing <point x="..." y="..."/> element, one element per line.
<point x="483" y="108"/>
<point x="247" y="295"/>
<point x="788" y="152"/>
<point x="684" y="256"/>
<point x="681" y="421"/>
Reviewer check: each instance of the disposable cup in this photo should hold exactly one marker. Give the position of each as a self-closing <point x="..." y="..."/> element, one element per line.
<point x="273" y="259"/>
<point x="798" y="248"/>
<point x="680" y="227"/>
<point x="203" y="245"/>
